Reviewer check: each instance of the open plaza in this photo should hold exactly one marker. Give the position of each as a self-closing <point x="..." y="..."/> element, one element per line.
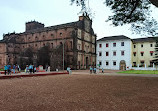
<point x="80" y="91"/>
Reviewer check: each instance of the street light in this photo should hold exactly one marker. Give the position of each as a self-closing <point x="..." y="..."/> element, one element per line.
<point x="63" y="55"/>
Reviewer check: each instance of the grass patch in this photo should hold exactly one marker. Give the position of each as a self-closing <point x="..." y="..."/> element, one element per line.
<point x="139" y="72"/>
<point x="1" y="69"/>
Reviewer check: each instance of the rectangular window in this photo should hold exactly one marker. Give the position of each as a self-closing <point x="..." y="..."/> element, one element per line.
<point x="114" y="44"/>
<point x="142" y="63"/>
<point x="122" y="43"/>
<point x="114" y="53"/>
<point x="107" y="63"/>
<point x="107" y="53"/>
<point x="134" y="46"/>
<point x="134" y="64"/>
<point x="107" y="45"/>
<point x="100" y="53"/>
<point x="100" y="45"/>
<point x="151" y="53"/>
<point x="151" y="63"/>
<point x="134" y="53"/>
<point x="151" y="45"/>
<point x="114" y="63"/>
<point x="100" y="63"/>
<point x="141" y="45"/>
<point x="142" y="53"/>
<point x="122" y="53"/>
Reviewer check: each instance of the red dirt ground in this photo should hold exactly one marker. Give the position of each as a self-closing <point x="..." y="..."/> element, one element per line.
<point x="79" y="93"/>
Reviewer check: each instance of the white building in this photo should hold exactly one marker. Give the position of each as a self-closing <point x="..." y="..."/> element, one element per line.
<point x="114" y="52"/>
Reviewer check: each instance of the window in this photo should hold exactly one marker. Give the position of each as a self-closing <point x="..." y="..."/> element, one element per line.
<point x="114" y="44"/>
<point x="52" y="35"/>
<point x="134" y="64"/>
<point x="122" y="43"/>
<point x="134" y="53"/>
<point x="107" y="63"/>
<point x="61" y="34"/>
<point x="122" y="53"/>
<point x="151" y="63"/>
<point x="79" y="46"/>
<point x="114" y="53"/>
<point x="100" y="63"/>
<point x="107" y="53"/>
<point x="36" y="38"/>
<point x="71" y="45"/>
<point x="100" y="45"/>
<point x="52" y="45"/>
<point x="100" y="53"/>
<point x="141" y="63"/>
<point x="151" y="45"/>
<point x="141" y="45"/>
<point x="142" y="53"/>
<point x="107" y="45"/>
<point x="114" y="63"/>
<point x="151" y="53"/>
<point x="134" y="46"/>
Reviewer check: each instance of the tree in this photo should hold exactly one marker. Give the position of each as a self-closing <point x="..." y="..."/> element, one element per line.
<point x="134" y="12"/>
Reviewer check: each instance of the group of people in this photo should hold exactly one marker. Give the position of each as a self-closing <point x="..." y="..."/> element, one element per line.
<point x="8" y="69"/>
<point x="30" y="69"/>
<point x="94" y="70"/>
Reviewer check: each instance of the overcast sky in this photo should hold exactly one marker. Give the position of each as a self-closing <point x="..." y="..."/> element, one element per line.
<point x="15" y="13"/>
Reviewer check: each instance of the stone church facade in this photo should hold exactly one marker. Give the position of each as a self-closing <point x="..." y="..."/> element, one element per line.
<point x="41" y="45"/>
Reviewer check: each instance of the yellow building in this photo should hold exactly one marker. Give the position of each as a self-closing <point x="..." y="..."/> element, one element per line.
<point x="143" y="52"/>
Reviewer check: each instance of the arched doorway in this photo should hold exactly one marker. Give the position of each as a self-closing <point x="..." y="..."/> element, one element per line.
<point x="43" y="56"/>
<point x="122" y="65"/>
<point x="25" y="58"/>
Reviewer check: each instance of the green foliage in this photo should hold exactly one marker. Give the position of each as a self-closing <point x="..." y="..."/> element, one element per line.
<point x="134" y="12"/>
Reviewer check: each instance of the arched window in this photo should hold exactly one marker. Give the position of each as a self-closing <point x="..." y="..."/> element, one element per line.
<point x="52" y="45"/>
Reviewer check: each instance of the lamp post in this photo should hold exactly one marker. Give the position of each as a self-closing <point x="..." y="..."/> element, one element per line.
<point x="63" y="55"/>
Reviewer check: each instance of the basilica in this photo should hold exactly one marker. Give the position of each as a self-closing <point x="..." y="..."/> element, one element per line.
<point x="61" y="46"/>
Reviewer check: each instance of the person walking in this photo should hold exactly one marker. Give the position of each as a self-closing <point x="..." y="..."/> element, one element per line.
<point x="9" y="69"/>
<point x="102" y="70"/>
<point x="5" y="69"/>
<point x="94" y="70"/>
<point x="30" y="68"/>
<point x="14" y="67"/>
<point x="91" y="69"/>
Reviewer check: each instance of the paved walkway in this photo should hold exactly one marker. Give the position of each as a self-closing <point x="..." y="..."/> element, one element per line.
<point x="84" y="72"/>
